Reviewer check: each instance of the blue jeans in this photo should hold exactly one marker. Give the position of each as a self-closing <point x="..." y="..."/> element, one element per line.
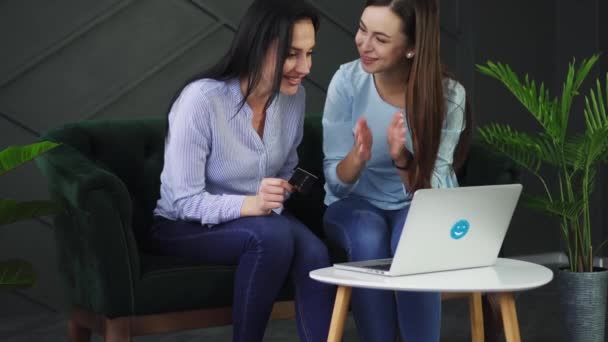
<point x="367" y="232"/>
<point x="267" y="250"/>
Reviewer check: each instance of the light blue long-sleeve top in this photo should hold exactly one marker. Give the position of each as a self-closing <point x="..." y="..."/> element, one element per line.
<point x="214" y="158"/>
<point x="352" y="93"/>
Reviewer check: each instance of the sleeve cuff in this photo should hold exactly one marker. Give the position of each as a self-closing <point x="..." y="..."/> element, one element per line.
<point x="444" y="179"/>
<point x="279" y="211"/>
<point x="336" y="185"/>
<point x="232" y="207"/>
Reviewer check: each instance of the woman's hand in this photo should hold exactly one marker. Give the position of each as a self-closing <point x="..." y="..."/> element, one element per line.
<point x="395" y="135"/>
<point x="362" y="149"/>
<point x="271" y="195"/>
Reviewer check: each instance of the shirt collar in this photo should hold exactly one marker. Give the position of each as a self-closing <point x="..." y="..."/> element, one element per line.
<point x="234" y="88"/>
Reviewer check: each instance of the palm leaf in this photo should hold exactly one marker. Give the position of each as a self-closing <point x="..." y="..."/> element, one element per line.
<point x="551" y="152"/>
<point x="569" y="210"/>
<point x="596" y="106"/>
<point x="519" y="147"/>
<point x="14" y="156"/>
<point x="571" y="86"/>
<point x="537" y="101"/>
<point x="575" y="151"/>
<point x="596" y="119"/>
<point x="16" y="274"/>
<point x="13" y="211"/>
<point x="596" y="146"/>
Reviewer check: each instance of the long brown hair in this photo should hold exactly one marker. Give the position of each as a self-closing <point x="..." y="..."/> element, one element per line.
<point x="424" y="97"/>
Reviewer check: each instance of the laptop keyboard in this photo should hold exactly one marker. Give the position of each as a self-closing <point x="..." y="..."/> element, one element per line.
<point x="383" y="267"/>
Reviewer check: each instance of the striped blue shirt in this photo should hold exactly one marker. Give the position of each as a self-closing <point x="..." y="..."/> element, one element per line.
<point x="214" y="158"/>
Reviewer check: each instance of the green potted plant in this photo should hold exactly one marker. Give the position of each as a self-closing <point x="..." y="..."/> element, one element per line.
<point x="16" y="273"/>
<point x="574" y="157"/>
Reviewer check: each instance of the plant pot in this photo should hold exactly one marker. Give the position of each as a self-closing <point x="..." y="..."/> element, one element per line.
<point x="582" y="297"/>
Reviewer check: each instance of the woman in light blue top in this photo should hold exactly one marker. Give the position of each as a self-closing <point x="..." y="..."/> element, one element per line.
<point x="231" y="145"/>
<point x="393" y="123"/>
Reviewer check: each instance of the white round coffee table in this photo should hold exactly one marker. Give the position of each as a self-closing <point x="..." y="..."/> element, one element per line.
<point x="502" y="279"/>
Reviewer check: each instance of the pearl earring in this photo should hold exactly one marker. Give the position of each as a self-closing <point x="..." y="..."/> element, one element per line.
<point x="410" y="55"/>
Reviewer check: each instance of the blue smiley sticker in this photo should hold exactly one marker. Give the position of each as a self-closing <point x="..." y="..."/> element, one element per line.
<point x="460" y="229"/>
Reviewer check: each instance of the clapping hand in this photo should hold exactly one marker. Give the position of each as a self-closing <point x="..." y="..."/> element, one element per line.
<point x="395" y="135"/>
<point x="363" y="142"/>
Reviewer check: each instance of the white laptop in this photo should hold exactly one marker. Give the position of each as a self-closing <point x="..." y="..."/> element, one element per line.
<point x="449" y="229"/>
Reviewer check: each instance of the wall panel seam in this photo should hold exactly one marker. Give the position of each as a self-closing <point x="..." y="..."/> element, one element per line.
<point x="120" y="91"/>
<point x="95" y="20"/>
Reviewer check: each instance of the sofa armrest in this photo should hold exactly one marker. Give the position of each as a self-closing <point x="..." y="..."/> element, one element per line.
<point x="98" y="255"/>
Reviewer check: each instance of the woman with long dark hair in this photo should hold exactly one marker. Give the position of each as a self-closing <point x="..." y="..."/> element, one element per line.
<point x="230" y="148"/>
<point x="393" y="123"/>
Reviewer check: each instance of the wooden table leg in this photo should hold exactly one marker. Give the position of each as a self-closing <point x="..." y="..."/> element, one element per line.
<point x="509" y="316"/>
<point x="117" y="330"/>
<point x="78" y="333"/>
<point x="338" y="318"/>
<point x="476" y="314"/>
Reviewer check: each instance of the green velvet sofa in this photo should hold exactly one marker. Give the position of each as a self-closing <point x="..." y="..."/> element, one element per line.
<point x="106" y="174"/>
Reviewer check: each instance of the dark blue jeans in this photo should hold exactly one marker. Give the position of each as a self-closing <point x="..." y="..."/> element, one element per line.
<point x="267" y="250"/>
<point x="367" y="232"/>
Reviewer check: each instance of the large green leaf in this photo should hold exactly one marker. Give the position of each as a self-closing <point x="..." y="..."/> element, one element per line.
<point x="522" y="148"/>
<point x="571" y="87"/>
<point x="14" y="156"/>
<point x="596" y="118"/>
<point x="16" y="274"/>
<point x="570" y="210"/>
<point x="13" y="211"/>
<point x="579" y="148"/>
<point x="537" y="100"/>
<point x="596" y="107"/>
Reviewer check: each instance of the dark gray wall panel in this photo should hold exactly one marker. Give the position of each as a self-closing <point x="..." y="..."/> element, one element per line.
<point x="30" y="29"/>
<point x="25" y="182"/>
<point x="603" y="47"/>
<point x="602" y="13"/>
<point x="153" y="97"/>
<point x="34" y="242"/>
<point x="229" y="11"/>
<point x="522" y="34"/>
<point x="450" y="16"/>
<point x="30" y="240"/>
<point x="343" y="13"/>
<point x="334" y="47"/>
<point x="315" y="98"/>
<point x="569" y="45"/>
<point x="97" y="66"/>
<point x="450" y="52"/>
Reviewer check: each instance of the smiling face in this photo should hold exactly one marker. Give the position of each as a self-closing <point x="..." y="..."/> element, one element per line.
<point x="297" y="63"/>
<point x="460" y="229"/>
<point x="380" y="40"/>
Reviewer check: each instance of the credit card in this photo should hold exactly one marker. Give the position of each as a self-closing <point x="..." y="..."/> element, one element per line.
<point x="302" y="180"/>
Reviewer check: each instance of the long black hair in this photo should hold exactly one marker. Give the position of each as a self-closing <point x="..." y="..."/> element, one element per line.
<point x="264" y="23"/>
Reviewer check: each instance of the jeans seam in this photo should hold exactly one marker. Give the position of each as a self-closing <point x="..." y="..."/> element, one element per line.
<point x="301" y="312"/>
<point x="249" y="282"/>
